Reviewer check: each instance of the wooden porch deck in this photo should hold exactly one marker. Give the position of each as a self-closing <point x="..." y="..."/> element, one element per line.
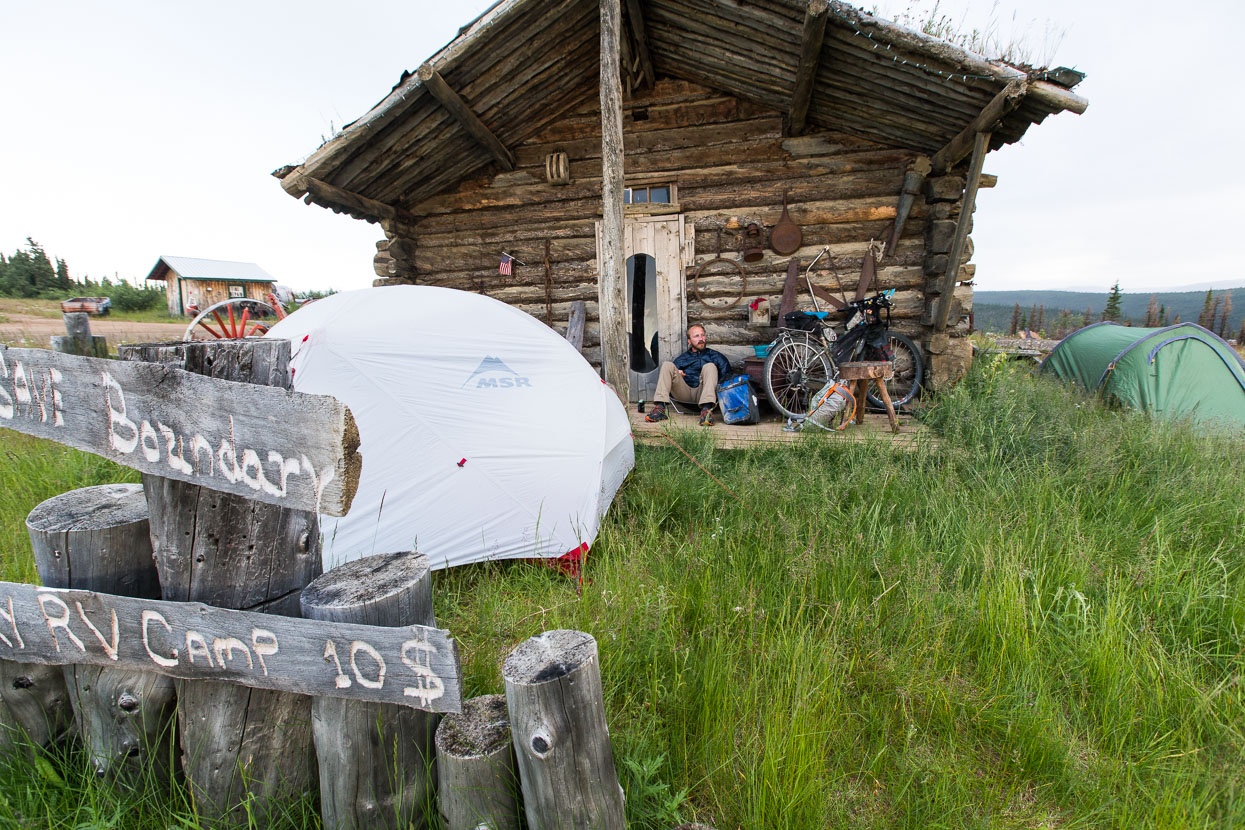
<point x="770" y="431"/>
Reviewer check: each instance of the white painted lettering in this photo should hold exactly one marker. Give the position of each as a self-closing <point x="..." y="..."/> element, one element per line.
<point x="61" y="620"/>
<point x="11" y="619"/>
<point x="109" y="648"/>
<point x="250" y="460"/>
<point x="287" y="467"/>
<point x="196" y="644"/>
<point x="159" y="660"/>
<point x="223" y="648"/>
<point x="21" y="386"/>
<point x="171" y="440"/>
<point x="149" y="441"/>
<point x="58" y="411"/>
<point x="228" y="457"/>
<point x="360" y="646"/>
<point x="198" y="445"/>
<point x="40" y="396"/>
<point x="330" y="653"/>
<point x="264" y="643"/>
<point x="6" y="406"/>
<point x="429" y="686"/>
<point x="117" y="418"/>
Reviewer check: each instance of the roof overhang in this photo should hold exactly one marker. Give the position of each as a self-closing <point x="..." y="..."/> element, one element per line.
<point x="524" y="63"/>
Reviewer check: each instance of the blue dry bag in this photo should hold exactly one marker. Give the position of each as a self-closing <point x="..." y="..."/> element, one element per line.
<point x="739" y="405"/>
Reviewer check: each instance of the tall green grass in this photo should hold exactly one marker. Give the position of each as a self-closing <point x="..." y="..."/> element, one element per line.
<point x="1037" y="619"/>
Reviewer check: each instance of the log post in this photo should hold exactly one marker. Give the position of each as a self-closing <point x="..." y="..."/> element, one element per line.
<point x="34" y="705"/>
<point x="375" y="758"/>
<point x="78" y="338"/>
<point x="613" y="271"/>
<point x="557" y="718"/>
<point x="238" y="743"/>
<point x="943" y="308"/>
<point x="96" y="539"/>
<point x="477" y="785"/>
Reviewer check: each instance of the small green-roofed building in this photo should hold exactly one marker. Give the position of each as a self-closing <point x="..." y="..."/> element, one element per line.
<point x="1180" y="371"/>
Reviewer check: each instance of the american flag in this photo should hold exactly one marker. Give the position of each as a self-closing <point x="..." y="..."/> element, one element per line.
<point x="506" y="268"/>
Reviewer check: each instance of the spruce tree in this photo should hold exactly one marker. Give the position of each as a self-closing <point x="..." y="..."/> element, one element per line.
<point x="1163" y="314"/>
<point x="63" y="280"/>
<point x="1041" y="319"/>
<point x="1089" y="316"/>
<point x="1015" y="321"/>
<point x="1206" y="319"/>
<point x="1225" y="316"/>
<point x="1112" y="311"/>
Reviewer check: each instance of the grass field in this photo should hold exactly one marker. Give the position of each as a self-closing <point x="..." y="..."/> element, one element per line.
<point x="1039" y="623"/>
<point x="52" y="309"/>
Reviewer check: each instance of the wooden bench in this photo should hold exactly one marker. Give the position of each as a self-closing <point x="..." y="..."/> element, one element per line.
<point x="858" y="376"/>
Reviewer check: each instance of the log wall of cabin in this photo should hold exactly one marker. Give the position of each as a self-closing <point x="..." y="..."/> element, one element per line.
<point x="206" y="292"/>
<point x="731" y="164"/>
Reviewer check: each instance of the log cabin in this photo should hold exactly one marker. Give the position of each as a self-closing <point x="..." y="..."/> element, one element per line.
<point x="636" y="155"/>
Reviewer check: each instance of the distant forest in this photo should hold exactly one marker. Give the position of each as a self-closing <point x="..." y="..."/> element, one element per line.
<point x="1057" y="313"/>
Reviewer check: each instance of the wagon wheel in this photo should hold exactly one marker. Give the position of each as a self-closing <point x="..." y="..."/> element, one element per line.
<point x="231" y="318"/>
<point x="743" y="285"/>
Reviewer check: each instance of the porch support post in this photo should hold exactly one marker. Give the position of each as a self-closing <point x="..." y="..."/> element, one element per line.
<point x="986" y="121"/>
<point x="981" y="144"/>
<point x="612" y="267"/>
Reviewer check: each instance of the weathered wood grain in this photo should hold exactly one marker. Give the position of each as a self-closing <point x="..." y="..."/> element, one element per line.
<point x="942" y="310"/>
<point x="96" y="539"/>
<point x="414" y="665"/>
<point x="241" y="745"/>
<point x="270" y="445"/>
<point x="78" y="338"/>
<point x="375" y="759"/>
<point x="575" y="325"/>
<point x="477" y="784"/>
<point x="557" y="718"/>
<point x="613" y="272"/>
<point x="35" y="703"/>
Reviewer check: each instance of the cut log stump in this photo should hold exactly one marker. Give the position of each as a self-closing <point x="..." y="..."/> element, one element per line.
<point x="96" y="539"/>
<point x="239" y="745"/>
<point x="34" y="705"/>
<point x="375" y="759"/>
<point x="477" y="785"/>
<point x="562" y="742"/>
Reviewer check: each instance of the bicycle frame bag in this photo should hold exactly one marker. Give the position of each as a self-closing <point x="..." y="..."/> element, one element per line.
<point x="739" y="405"/>
<point x="801" y="321"/>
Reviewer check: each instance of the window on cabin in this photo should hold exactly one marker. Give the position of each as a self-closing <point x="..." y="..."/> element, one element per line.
<point x="642" y="308"/>
<point x="654" y="194"/>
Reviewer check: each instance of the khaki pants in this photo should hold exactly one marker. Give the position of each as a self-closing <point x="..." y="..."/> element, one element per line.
<point x="670" y="382"/>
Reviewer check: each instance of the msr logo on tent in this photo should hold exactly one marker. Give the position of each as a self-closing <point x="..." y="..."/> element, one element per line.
<point x="494" y="374"/>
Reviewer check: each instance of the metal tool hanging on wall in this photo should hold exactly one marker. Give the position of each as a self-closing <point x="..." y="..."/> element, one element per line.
<point x="743" y="278"/>
<point x="786" y="237"/>
<point x="753" y="244"/>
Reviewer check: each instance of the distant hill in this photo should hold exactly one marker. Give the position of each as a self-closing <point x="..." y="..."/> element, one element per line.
<point x="992" y="310"/>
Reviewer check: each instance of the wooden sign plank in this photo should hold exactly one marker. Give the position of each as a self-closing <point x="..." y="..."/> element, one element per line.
<point x="414" y="665"/>
<point x="266" y="444"/>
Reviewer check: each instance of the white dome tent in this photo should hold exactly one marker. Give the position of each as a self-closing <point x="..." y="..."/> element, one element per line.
<point x="484" y="434"/>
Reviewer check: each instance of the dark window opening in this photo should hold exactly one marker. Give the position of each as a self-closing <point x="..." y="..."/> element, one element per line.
<point x="640" y="114"/>
<point x="642" y="302"/>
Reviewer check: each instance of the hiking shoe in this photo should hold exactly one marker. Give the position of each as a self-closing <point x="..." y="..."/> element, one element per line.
<point x="657" y="413"/>
<point x="706" y="416"/>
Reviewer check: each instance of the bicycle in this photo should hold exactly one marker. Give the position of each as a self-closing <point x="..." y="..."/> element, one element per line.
<point x="807" y="352"/>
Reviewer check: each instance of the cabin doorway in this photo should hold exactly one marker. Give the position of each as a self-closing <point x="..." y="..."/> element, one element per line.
<point x="655" y="249"/>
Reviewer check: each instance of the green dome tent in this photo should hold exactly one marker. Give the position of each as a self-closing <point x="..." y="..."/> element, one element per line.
<point x="1182" y="371"/>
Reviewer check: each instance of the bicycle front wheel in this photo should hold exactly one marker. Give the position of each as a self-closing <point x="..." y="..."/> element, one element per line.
<point x="909" y="372"/>
<point x="795" y="371"/>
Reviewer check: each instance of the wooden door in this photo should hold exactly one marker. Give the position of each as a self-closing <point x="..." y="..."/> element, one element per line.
<point x="655" y="249"/>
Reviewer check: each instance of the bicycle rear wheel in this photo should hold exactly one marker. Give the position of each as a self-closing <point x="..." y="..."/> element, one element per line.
<point x="909" y="372"/>
<point x="795" y="370"/>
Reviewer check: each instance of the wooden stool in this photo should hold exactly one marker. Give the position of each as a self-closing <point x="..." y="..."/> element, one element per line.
<point x="858" y="376"/>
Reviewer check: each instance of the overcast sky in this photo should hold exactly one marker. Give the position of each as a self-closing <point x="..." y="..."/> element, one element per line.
<point x="135" y="129"/>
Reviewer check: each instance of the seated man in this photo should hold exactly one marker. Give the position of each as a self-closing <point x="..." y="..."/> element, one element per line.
<point x="692" y="378"/>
